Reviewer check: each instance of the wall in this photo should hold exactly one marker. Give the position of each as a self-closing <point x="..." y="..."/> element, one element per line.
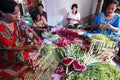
<point x="58" y="9"/>
<point x="94" y="5"/>
<point x="44" y="4"/>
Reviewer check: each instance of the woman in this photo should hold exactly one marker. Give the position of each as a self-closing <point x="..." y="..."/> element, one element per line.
<point x="108" y="22"/>
<point x="14" y="34"/>
<point x="40" y="8"/>
<point x="73" y="17"/>
<point x="39" y="22"/>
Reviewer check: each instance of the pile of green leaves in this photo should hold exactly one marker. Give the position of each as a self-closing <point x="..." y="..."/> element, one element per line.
<point x="48" y="48"/>
<point x="49" y="35"/>
<point x="102" y="37"/>
<point x="97" y="71"/>
<point x="72" y="50"/>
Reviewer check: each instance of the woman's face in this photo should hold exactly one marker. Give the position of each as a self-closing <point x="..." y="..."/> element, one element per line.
<point x="38" y="17"/>
<point x="74" y="9"/>
<point x="110" y="9"/>
<point x="40" y="8"/>
<point x="12" y="17"/>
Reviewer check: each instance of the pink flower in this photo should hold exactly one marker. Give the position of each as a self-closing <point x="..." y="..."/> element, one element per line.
<point x="78" y="67"/>
<point x="67" y="61"/>
<point x="83" y="67"/>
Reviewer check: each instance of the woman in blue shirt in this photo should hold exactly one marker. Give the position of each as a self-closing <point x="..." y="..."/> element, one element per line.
<point x="107" y="22"/>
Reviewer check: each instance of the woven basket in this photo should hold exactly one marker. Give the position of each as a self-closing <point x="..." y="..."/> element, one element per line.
<point x="100" y="47"/>
<point x="45" y="66"/>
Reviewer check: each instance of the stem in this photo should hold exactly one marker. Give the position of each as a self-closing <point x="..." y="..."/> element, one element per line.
<point x="67" y="70"/>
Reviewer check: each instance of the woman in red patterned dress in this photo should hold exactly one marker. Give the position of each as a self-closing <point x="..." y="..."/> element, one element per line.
<point x="14" y="34"/>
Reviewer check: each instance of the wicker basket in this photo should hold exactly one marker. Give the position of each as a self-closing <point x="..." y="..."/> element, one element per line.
<point x="101" y="48"/>
<point x="45" y="65"/>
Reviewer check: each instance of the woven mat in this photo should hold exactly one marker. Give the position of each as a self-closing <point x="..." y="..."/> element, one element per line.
<point x="8" y="72"/>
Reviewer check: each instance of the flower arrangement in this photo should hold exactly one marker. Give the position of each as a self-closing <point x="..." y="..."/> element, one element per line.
<point x="73" y="59"/>
<point x="71" y="65"/>
<point x="76" y="64"/>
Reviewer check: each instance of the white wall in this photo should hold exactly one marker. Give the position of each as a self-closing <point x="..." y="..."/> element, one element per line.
<point x="44" y="4"/>
<point x="94" y="5"/>
<point x="58" y="9"/>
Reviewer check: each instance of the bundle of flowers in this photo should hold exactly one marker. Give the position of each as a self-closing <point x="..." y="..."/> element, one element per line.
<point x="73" y="59"/>
<point x="50" y="36"/>
<point x="68" y="33"/>
<point x="62" y="42"/>
<point x="72" y="65"/>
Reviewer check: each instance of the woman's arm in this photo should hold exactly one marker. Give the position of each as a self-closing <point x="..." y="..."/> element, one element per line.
<point x="19" y="48"/>
<point x="95" y="22"/>
<point x="35" y="27"/>
<point x="105" y="26"/>
<point x="94" y="26"/>
<point x="34" y="37"/>
<point x="108" y="26"/>
<point x="72" y="19"/>
<point x="44" y="21"/>
<point x="67" y="18"/>
<point x="26" y="47"/>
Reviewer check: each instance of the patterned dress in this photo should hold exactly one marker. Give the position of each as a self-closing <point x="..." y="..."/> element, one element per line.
<point x="100" y="19"/>
<point x="8" y="39"/>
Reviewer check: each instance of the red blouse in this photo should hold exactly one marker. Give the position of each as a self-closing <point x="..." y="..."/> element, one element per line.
<point x="8" y="39"/>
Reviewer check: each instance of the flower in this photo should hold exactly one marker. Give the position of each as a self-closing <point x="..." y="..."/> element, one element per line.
<point x="69" y="67"/>
<point x="78" y="67"/>
<point x="67" y="61"/>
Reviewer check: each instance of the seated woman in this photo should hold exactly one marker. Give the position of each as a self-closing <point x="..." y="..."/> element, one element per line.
<point x="14" y="34"/>
<point x="40" y="8"/>
<point x="108" y="22"/>
<point x="73" y="17"/>
<point x="39" y="23"/>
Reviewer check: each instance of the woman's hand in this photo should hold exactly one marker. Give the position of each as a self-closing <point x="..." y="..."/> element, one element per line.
<point x="75" y="19"/>
<point x="30" y="47"/>
<point x="102" y="26"/>
<point x="35" y="38"/>
<point x="105" y="26"/>
<point x="108" y="26"/>
<point x="37" y="44"/>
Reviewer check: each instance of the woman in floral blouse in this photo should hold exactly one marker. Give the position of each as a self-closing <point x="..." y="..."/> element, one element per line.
<point x="107" y="23"/>
<point x="14" y="34"/>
